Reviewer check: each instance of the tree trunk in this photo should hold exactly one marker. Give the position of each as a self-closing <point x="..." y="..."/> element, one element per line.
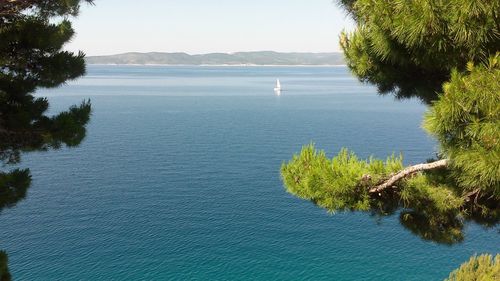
<point x="407" y="172"/>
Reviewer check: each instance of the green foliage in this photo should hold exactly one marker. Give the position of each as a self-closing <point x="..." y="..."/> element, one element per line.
<point x="433" y="210"/>
<point x="4" y="269"/>
<point x="410" y="47"/>
<point x="431" y="204"/>
<point x="422" y="193"/>
<point x="335" y="184"/>
<point x="13" y="187"/>
<point x="31" y="57"/>
<point x="478" y="268"/>
<point x="466" y="121"/>
<point x="32" y="35"/>
<point x="44" y="8"/>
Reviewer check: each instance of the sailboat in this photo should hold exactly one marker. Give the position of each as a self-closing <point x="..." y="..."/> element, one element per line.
<point x="277" y="89"/>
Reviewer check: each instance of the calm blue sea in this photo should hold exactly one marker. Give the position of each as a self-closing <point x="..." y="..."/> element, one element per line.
<point x="178" y="179"/>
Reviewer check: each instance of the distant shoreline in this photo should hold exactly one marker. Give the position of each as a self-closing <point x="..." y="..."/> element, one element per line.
<point x="261" y="58"/>
<point x="221" y="65"/>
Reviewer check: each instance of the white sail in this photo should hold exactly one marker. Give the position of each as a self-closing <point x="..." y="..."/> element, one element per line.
<point x="277" y="89"/>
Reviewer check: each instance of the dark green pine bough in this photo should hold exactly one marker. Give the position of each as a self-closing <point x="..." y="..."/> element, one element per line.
<point x="445" y="52"/>
<point x="31" y="57"/>
<point x="32" y="34"/>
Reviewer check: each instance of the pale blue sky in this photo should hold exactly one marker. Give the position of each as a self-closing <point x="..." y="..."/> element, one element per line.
<point x="204" y="26"/>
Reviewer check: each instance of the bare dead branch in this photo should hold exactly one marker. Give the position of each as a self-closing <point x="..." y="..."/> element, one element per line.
<point x="408" y="171"/>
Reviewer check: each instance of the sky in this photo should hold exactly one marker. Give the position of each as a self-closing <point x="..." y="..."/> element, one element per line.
<point x="206" y="26"/>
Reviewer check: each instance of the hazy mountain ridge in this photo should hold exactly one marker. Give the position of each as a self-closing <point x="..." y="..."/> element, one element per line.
<point x="239" y="58"/>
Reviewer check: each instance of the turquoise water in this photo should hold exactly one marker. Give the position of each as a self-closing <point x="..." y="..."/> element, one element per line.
<point x="178" y="179"/>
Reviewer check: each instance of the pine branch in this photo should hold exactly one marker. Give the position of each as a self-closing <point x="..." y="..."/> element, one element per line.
<point x="408" y="171"/>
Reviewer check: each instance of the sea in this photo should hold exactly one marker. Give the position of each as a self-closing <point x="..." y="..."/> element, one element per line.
<point x="178" y="178"/>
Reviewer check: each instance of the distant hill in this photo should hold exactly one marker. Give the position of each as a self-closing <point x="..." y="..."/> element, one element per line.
<point x="240" y="58"/>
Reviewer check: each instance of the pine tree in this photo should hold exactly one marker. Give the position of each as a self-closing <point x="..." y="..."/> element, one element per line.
<point x="4" y="270"/>
<point x="447" y="54"/>
<point x="31" y="57"/>
<point x="480" y="268"/>
<point x="32" y="34"/>
<point x="409" y="48"/>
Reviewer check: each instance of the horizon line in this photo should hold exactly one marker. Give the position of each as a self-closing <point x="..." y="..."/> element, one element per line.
<point x="209" y="53"/>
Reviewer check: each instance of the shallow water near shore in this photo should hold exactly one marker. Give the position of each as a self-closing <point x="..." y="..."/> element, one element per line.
<point x="178" y="179"/>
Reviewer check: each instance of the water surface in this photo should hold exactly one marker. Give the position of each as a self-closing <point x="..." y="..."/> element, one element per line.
<point x="178" y="179"/>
